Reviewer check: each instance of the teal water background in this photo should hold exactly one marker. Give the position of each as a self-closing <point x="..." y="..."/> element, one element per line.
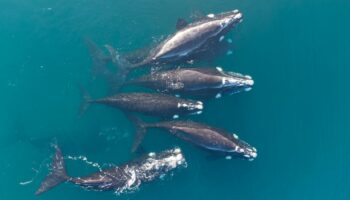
<point x="297" y="115"/>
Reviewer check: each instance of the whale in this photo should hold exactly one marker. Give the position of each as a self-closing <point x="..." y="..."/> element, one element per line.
<point x="200" y="135"/>
<point x="189" y="40"/>
<point x="152" y="104"/>
<point x="125" y="177"/>
<point x="199" y="81"/>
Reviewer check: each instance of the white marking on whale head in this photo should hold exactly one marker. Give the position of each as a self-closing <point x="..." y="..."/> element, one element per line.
<point x="191" y="106"/>
<point x="238" y="16"/>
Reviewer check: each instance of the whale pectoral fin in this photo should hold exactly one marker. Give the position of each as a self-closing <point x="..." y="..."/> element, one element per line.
<point x="181" y="23"/>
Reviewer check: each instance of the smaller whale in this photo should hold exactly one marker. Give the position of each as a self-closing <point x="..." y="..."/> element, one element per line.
<point x="153" y="104"/>
<point x="195" y="81"/>
<point x="125" y="177"/>
<point x="201" y="135"/>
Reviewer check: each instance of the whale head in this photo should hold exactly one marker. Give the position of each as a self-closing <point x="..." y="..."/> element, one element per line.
<point x="232" y="83"/>
<point x="243" y="150"/>
<point x="229" y="19"/>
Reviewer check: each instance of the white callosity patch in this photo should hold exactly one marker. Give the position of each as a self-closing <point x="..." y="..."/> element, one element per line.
<point x="246" y="81"/>
<point x="191" y="106"/>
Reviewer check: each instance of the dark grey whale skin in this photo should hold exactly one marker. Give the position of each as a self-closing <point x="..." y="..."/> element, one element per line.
<point x="153" y="104"/>
<point x="201" y="81"/>
<point x="119" y="178"/>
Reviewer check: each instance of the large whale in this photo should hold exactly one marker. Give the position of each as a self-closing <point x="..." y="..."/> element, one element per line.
<point x="191" y="38"/>
<point x="154" y="104"/>
<point x="195" y="81"/>
<point x="188" y="41"/>
<point x="125" y="177"/>
<point x="201" y="135"/>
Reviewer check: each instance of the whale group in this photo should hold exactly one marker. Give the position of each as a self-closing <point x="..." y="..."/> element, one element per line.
<point x="177" y="91"/>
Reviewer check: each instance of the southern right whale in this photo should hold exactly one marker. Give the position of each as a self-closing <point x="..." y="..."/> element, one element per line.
<point x="201" y="81"/>
<point x="154" y="104"/>
<point x="121" y="178"/>
<point x="201" y="135"/>
<point x="188" y="41"/>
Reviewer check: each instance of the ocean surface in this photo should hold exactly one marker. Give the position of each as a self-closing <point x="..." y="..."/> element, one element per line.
<point x="297" y="115"/>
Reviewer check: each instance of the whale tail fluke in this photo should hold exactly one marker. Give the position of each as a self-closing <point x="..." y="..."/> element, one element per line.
<point x="141" y="129"/>
<point x="85" y="100"/>
<point x="57" y="175"/>
<point x="99" y="59"/>
<point x="122" y="65"/>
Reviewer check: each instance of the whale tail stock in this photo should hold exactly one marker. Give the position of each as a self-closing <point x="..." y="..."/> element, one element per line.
<point x="141" y="129"/>
<point x="57" y="175"/>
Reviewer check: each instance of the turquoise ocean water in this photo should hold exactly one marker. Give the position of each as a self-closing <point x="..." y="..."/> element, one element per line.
<point x="297" y="115"/>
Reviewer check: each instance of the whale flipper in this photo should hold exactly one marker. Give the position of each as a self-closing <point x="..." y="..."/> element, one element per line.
<point x="57" y="175"/>
<point x="181" y="23"/>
